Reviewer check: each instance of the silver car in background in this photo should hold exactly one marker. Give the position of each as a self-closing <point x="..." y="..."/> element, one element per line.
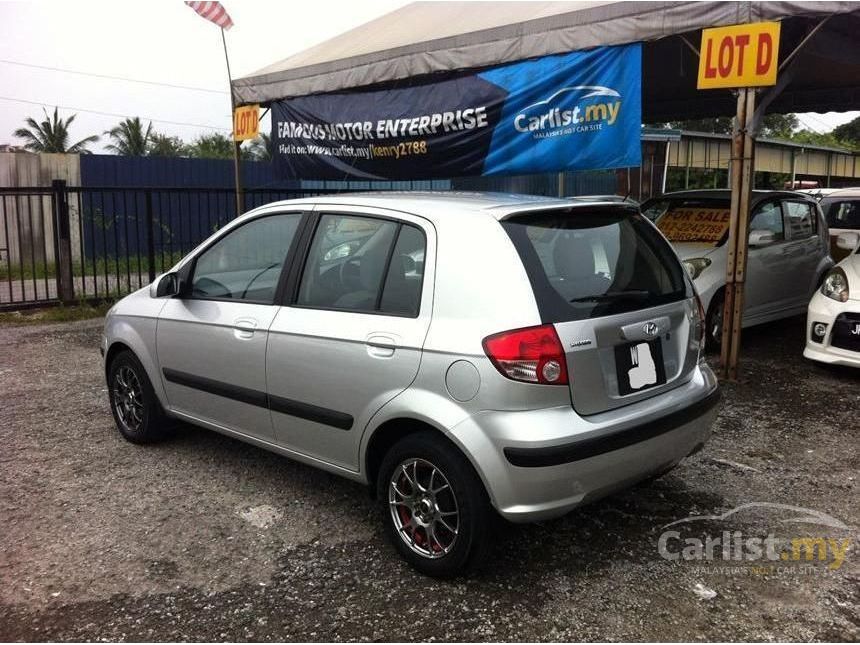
<point x="459" y="353"/>
<point x="789" y="250"/>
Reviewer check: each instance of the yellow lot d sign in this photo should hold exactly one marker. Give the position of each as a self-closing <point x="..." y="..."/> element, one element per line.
<point x="739" y="56"/>
<point x="246" y="122"/>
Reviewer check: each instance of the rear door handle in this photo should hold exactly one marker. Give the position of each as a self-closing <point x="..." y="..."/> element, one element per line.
<point x="244" y="328"/>
<point x="380" y="346"/>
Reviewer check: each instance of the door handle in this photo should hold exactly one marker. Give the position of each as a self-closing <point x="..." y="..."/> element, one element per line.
<point x="380" y="346"/>
<point x="244" y="328"/>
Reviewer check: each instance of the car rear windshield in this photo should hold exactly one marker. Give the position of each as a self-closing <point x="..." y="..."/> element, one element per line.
<point x="587" y="264"/>
<point x="841" y="213"/>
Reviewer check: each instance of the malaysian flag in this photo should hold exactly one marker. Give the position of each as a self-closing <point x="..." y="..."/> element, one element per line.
<point x="213" y="12"/>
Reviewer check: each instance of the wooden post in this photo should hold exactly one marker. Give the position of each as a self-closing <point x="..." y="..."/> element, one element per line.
<point x="742" y="178"/>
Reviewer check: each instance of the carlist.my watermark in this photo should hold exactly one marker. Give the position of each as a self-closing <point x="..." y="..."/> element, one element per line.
<point x="823" y="546"/>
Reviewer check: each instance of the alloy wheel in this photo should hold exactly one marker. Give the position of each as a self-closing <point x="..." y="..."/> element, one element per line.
<point x="423" y="508"/>
<point x="128" y="398"/>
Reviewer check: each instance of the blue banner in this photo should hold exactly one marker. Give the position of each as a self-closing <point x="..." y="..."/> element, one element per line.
<point x="577" y="111"/>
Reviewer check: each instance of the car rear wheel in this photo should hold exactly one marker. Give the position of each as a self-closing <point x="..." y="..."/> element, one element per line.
<point x="136" y="410"/>
<point x="433" y="505"/>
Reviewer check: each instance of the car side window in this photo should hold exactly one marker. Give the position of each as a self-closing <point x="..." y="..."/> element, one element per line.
<point x="246" y="264"/>
<point x="801" y="220"/>
<point x="768" y="217"/>
<point x="364" y="264"/>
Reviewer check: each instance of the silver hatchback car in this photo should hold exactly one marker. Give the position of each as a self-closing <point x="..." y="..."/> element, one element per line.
<point x="459" y="353"/>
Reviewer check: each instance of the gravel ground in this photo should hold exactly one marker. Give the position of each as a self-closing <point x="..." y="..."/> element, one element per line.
<point x="206" y="538"/>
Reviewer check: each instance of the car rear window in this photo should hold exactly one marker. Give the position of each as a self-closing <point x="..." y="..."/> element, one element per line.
<point x="841" y="213"/>
<point x="587" y="264"/>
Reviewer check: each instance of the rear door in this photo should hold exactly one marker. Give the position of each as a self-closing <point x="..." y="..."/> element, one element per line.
<point x="621" y="302"/>
<point x="349" y="337"/>
<point x="803" y="249"/>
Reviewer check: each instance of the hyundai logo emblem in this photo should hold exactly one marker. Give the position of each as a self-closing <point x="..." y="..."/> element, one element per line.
<point x="650" y="328"/>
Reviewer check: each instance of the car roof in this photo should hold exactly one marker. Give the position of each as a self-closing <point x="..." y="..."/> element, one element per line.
<point x="843" y="192"/>
<point x="443" y="204"/>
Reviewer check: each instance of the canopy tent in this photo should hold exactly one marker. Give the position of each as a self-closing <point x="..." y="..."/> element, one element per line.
<point x="426" y="38"/>
<point x="819" y="71"/>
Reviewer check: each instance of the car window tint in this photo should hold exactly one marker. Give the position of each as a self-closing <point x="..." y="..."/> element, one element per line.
<point x="402" y="292"/>
<point x="768" y="217"/>
<point x="585" y="265"/>
<point x="842" y="213"/>
<point x="246" y="263"/>
<point x="800" y="221"/>
<point x="346" y="263"/>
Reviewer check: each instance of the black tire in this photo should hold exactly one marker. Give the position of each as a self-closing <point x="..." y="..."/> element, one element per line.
<point x="714" y="323"/>
<point x="474" y="515"/>
<point x="153" y="424"/>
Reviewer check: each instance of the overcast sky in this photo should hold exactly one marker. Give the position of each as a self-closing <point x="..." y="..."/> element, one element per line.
<point x="164" y="41"/>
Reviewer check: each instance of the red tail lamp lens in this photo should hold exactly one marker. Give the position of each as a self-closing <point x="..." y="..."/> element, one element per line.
<point x="531" y="355"/>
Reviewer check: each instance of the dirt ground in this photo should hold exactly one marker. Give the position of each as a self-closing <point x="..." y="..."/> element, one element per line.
<point x="206" y="538"/>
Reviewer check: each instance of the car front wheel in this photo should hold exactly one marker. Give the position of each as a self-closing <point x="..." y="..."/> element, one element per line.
<point x="433" y="505"/>
<point x="136" y="409"/>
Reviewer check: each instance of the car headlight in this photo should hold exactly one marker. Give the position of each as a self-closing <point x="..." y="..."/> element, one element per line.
<point x="695" y="266"/>
<point x="835" y="285"/>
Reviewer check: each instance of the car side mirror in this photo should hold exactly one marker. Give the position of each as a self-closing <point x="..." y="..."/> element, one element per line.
<point x="165" y="285"/>
<point x="761" y="238"/>
<point x="848" y="241"/>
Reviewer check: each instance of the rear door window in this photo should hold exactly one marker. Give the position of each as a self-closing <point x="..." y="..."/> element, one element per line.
<point x="589" y="264"/>
<point x="364" y="264"/>
<point x="801" y="224"/>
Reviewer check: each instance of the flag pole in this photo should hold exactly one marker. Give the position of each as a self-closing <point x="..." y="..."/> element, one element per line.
<point x="237" y="170"/>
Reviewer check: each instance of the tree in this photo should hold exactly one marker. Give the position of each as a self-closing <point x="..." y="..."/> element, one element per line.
<point x="211" y="146"/>
<point x="779" y="126"/>
<point x="52" y="135"/>
<point x="849" y="132"/>
<point x="129" y="138"/>
<point x="260" y="148"/>
<point x="163" y="145"/>
<point x="716" y="125"/>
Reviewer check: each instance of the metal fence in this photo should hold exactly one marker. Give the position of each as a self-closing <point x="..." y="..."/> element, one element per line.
<point x="69" y="243"/>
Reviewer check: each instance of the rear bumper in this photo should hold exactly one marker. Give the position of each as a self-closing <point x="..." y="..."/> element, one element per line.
<point x="531" y="477"/>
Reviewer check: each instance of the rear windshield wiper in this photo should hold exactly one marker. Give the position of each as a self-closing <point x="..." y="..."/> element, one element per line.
<point x="637" y="294"/>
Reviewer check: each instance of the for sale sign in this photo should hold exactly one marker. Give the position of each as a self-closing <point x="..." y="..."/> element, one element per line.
<point x="739" y="56"/>
<point x="707" y="225"/>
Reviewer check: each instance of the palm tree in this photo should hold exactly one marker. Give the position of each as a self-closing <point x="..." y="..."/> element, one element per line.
<point x="129" y="138"/>
<point x="163" y="145"/>
<point x="52" y="135"/>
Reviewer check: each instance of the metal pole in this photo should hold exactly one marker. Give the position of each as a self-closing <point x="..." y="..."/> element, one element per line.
<point x="742" y="181"/>
<point x="237" y="170"/>
<point x="793" y="168"/>
<point x="63" y="239"/>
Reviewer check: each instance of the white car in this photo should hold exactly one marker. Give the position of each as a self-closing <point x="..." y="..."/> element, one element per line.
<point x="842" y="211"/>
<point x="789" y="252"/>
<point x="833" y="321"/>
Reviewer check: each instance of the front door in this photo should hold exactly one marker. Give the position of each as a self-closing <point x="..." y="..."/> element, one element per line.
<point x="349" y="340"/>
<point x="768" y="277"/>
<point x="803" y="249"/>
<point x="212" y="341"/>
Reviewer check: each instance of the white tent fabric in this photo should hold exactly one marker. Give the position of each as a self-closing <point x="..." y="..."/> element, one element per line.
<point x="430" y="37"/>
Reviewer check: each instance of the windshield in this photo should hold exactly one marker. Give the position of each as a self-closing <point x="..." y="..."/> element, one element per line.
<point x="841" y="213"/>
<point x="589" y="264"/>
<point x="693" y="220"/>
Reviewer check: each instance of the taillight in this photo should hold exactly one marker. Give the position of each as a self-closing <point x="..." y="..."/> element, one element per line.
<point x="532" y="355"/>
<point x="702" y="323"/>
